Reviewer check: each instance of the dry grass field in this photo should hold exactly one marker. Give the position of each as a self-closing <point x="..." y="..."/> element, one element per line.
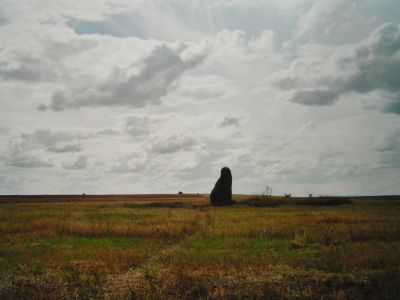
<point x="178" y="247"/>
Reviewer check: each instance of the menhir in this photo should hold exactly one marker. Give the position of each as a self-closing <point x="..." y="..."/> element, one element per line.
<point x="222" y="191"/>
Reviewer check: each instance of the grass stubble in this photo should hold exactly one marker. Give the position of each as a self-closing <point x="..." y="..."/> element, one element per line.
<point x="184" y="249"/>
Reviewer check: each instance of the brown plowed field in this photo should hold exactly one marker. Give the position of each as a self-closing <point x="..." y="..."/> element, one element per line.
<point x="96" y="198"/>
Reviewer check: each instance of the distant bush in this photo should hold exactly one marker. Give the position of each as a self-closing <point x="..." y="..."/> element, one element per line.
<point x="323" y="201"/>
<point x="259" y="201"/>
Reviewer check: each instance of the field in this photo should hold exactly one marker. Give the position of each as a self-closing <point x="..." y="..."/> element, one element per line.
<point x="178" y="247"/>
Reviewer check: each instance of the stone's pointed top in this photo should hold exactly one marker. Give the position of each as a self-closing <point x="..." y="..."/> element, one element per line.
<point x="222" y="191"/>
<point x="225" y="171"/>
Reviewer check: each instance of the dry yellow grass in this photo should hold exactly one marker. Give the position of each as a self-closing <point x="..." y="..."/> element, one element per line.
<point x="185" y="249"/>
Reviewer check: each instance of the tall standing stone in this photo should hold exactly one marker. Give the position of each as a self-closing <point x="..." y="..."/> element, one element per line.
<point x="222" y="191"/>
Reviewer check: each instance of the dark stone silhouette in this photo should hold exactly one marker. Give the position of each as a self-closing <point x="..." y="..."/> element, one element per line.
<point x="222" y="192"/>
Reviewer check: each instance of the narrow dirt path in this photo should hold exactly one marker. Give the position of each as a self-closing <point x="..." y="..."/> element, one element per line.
<point x="119" y="286"/>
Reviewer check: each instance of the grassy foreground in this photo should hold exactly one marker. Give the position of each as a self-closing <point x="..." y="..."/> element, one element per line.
<point x="183" y="249"/>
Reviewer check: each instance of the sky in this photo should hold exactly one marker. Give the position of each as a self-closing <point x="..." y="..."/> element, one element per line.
<point x="156" y="96"/>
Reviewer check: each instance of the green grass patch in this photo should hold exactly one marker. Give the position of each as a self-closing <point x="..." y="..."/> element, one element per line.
<point x="228" y="251"/>
<point x="44" y="244"/>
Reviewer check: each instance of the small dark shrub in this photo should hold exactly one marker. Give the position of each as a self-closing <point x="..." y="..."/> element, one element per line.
<point x="260" y="201"/>
<point x="323" y="201"/>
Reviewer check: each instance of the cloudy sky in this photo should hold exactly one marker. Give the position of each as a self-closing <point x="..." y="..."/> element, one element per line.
<point x="154" y="96"/>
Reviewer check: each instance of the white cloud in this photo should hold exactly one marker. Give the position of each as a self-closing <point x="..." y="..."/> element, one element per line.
<point x="314" y="96"/>
<point x="159" y="73"/>
<point x="163" y="93"/>
<point x="20" y="160"/>
<point x="230" y="121"/>
<point x="132" y="163"/>
<point x="18" y="155"/>
<point x="44" y="61"/>
<point x="65" y="148"/>
<point x="80" y="163"/>
<point x="332" y="22"/>
<point x="137" y="126"/>
<point x="52" y="141"/>
<point x="36" y="149"/>
<point x="388" y="147"/>
<point x="172" y="144"/>
<point x="368" y="66"/>
<point x="203" y="88"/>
